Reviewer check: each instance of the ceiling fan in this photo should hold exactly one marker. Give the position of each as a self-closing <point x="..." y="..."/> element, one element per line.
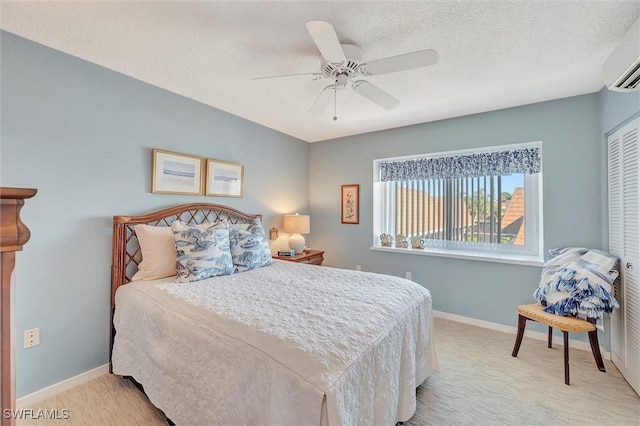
<point x="344" y="66"/>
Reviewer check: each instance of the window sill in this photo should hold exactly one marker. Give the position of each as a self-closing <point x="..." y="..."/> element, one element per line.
<point x="511" y="258"/>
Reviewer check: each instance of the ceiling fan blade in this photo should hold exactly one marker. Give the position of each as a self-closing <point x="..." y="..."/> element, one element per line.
<point x="327" y="41"/>
<point x="323" y="100"/>
<point x="309" y="76"/>
<point x="419" y="59"/>
<point x="375" y="94"/>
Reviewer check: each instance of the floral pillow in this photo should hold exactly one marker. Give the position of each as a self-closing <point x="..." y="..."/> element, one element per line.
<point x="249" y="248"/>
<point x="202" y="251"/>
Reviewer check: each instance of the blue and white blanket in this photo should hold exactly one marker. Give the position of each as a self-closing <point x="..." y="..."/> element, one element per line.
<point x="578" y="282"/>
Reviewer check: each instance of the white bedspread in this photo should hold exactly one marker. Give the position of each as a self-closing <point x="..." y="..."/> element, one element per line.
<point x="268" y="346"/>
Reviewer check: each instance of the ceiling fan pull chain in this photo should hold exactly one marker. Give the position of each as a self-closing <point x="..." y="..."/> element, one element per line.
<point x="335" y="101"/>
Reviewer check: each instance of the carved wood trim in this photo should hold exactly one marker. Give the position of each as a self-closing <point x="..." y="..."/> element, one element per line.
<point x="13" y="235"/>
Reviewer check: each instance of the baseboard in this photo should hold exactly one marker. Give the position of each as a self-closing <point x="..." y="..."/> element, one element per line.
<point x="574" y="344"/>
<point x="62" y="386"/>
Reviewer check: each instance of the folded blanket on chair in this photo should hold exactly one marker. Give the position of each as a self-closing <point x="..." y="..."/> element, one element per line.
<point x="577" y="281"/>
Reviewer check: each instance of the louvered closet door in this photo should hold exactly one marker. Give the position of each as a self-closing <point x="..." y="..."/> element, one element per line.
<point x="615" y="244"/>
<point x="624" y="235"/>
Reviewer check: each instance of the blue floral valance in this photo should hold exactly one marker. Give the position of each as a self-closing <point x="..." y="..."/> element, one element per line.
<point x="497" y="163"/>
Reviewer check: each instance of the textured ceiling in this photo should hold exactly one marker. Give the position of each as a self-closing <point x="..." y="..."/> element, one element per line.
<point x="493" y="54"/>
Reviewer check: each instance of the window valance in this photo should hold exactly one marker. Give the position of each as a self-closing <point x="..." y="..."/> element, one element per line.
<point x="497" y="163"/>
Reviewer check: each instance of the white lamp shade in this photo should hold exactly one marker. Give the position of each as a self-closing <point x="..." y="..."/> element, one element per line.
<point x="297" y="224"/>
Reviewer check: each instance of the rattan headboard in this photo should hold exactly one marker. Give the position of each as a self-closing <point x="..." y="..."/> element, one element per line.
<point x="126" y="250"/>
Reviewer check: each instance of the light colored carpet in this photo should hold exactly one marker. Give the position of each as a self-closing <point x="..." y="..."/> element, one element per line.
<point x="478" y="382"/>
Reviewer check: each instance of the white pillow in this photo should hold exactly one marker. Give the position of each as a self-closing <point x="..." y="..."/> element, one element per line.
<point x="202" y="252"/>
<point x="158" y="252"/>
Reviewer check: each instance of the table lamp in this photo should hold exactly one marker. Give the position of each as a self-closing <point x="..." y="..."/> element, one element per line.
<point x="296" y="224"/>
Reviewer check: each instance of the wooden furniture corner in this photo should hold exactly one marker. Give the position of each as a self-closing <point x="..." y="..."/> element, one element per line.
<point x="13" y="235"/>
<point x="310" y="257"/>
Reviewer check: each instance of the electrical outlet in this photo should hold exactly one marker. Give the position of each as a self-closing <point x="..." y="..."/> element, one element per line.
<point x="31" y="338"/>
<point x="358" y="268"/>
<point x="407" y="275"/>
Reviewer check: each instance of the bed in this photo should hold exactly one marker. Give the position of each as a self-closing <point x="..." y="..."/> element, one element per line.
<point x="281" y="344"/>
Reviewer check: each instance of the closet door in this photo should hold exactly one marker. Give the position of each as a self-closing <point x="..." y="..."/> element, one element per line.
<point x="624" y="235"/>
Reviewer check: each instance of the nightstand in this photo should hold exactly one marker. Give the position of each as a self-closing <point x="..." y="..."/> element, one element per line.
<point x="311" y="257"/>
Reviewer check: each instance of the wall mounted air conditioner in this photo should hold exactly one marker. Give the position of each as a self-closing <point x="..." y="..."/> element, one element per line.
<point x="621" y="71"/>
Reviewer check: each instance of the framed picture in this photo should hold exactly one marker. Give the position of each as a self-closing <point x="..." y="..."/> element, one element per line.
<point x="350" y="211"/>
<point x="224" y="179"/>
<point x="174" y="173"/>
<point x="273" y="233"/>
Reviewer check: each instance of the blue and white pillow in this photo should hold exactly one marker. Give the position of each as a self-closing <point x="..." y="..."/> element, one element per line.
<point x="202" y="251"/>
<point x="249" y="248"/>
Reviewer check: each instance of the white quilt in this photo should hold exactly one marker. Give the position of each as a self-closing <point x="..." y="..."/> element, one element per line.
<point x="284" y="344"/>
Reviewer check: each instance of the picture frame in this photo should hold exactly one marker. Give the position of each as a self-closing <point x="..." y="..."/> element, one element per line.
<point x="176" y="173"/>
<point x="273" y="233"/>
<point x="350" y="204"/>
<point x="224" y="179"/>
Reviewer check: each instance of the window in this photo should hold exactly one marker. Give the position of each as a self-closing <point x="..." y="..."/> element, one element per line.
<point x="487" y="201"/>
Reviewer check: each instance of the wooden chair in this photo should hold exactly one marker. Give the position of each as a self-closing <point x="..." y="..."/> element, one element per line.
<point x="535" y="312"/>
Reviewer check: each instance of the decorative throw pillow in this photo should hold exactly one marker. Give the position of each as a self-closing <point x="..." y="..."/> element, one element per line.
<point x="158" y="252"/>
<point x="241" y="226"/>
<point x="206" y="225"/>
<point x="249" y="249"/>
<point x="202" y="252"/>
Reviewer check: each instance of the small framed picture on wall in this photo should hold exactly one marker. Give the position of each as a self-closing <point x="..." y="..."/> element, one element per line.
<point x="174" y="173"/>
<point x="350" y="210"/>
<point x="224" y="179"/>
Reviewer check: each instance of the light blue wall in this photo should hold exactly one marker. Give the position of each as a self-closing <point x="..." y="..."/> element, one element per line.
<point x="82" y="135"/>
<point x="573" y="194"/>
